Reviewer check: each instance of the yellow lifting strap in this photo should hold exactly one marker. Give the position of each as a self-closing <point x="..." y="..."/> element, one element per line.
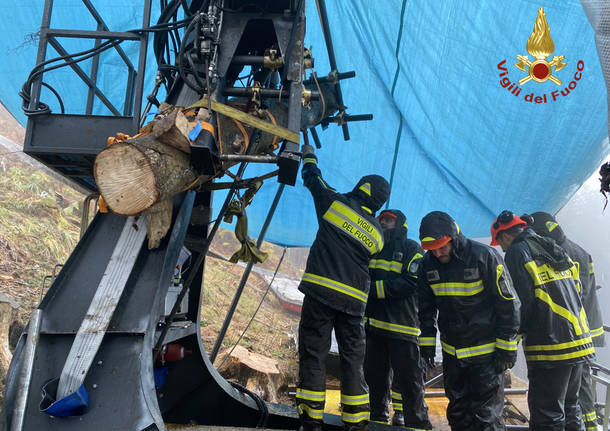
<point x="250" y="120"/>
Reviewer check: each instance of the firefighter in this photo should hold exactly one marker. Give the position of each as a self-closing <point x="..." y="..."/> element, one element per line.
<point x="336" y="286"/>
<point x="392" y="328"/>
<point x="478" y="318"/>
<point x="544" y="224"/>
<point x="556" y="338"/>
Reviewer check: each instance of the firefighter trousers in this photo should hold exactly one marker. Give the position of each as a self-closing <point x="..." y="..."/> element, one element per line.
<point x="315" y="327"/>
<point x="476" y="395"/>
<point x="553" y="398"/>
<point x="586" y="399"/>
<point x="384" y="354"/>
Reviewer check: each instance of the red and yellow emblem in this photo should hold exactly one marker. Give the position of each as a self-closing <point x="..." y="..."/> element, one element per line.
<point x="540" y="46"/>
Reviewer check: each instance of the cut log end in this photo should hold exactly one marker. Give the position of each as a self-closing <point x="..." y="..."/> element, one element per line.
<point x="126" y="179"/>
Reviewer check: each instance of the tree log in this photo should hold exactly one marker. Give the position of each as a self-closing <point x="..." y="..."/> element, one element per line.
<point x="173" y="129"/>
<point x="135" y="174"/>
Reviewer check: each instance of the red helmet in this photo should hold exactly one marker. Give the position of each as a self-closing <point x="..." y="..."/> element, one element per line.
<point x="504" y="221"/>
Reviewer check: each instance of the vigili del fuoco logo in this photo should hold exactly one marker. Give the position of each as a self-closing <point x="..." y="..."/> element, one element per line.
<point x="540" y="46"/>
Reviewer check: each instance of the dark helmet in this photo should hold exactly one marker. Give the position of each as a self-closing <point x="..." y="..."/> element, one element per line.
<point x="546" y="225"/>
<point x="400" y="231"/>
<point x="437" y="229"/>
<point x="373" y="191"/>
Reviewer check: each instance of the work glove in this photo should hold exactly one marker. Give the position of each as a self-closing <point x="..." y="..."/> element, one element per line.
<point x="427" y="354"/>
<point x="307" y="149"/>
<point x="504" y="360"/>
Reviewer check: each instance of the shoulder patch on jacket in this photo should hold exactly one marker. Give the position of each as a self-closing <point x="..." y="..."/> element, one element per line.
<point x="433" y="275"/>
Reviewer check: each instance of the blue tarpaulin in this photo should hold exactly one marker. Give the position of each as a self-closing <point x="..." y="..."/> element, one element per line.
<point x="453" y="130"/>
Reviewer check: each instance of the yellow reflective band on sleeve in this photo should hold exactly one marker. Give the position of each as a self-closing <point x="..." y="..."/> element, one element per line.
<point x="506" y="345"/>
<point x="457" y="289"/>
<point x="335" y="285"/>
<point x="591" y="271"/>
<point x="310" y="160"/>
<point x="562" y="357"/>
<point x="306" y="394"/>
<point x="350" y="223"/>
<point x="427" y="341"/>
<point x="559" y="346"/>
<point x="386" y="265"/>
<point x="355" y="417"/>
<point x="354" y="400"/>
<point x="591" y="416"/>
<point x="380" y="290"/>
<point x="499" y="272"/>
<point x="366" y="188"/>
<point x="313" y="413"/>
<point x="550" y="225"/>
<point x="558" y="309"/>
<point x="394" y="327"/>
<point x="396" y="395"/>
<point x="467" y="352"/>
<point x="397" y="406"/>
<point x="544" y="273"/>
<point x="597" y="332"/>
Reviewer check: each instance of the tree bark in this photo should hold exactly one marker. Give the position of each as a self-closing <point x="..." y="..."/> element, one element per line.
<point x="135" y="174"/>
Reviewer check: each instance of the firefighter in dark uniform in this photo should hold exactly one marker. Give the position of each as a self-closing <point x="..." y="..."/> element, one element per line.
<point x="336" y="286"/>
<point x="544" y="224"/>
<point x="478" y="319"/>
<point x="392" y="327"/>
<point x="556" y="338"/>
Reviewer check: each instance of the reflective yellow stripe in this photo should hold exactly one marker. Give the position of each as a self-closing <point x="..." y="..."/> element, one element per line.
<point x="506" y="345"/>
<point x="354" y="400"/>
<point x="349" y="222"/>
<point x="562" y="357"/>
<point x="313" y="413"/>
<point x="394" y="327"/>
<point x="550" y="225"/>
<point x="326" y="186"/>
<point x="591" y="268"/>
<point x="591" y="428"/>
<point x="499" y="272"/>
<point x="544" y="273"/>
<point x="310" y="395"/>
<point x="396" y="395"/>
<point x="366" y="188"/>
<point x="468" y="352"/>
<point x="355" y="417"/>
<point x="559" y="346"/>
<point x="558" y="309"/>
<point x="397" y="406"/>
<point x="583" y="320"/>
<point x="380" y="290"/>
<point x="367" y="209"/>
<point x="380" y="422"/>
<point x="335" y="285"/>
<point x="457" y="289"/>
<point x="597" y="332"/>
<point x="310" y="160"/>
<point x="428" y="239"/>
<point x="591" y="416"/>
<point x="427" y="341"/>
<point x="386" y="265"/>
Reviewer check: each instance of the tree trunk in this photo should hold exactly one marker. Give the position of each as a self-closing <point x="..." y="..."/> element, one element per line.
<point x="135" y="174"/>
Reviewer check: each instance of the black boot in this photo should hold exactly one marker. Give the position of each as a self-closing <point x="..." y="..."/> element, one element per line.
<point x="398" y="420"/>
<point x="360" y="426"/>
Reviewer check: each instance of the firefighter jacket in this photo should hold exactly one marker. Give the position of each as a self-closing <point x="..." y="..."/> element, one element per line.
<point x="337" y="273"/>
<point x="392" y="307"/>
<point x="478" y="310"/>
<point x="545" y="225"/>
<point x="553" y="320"/>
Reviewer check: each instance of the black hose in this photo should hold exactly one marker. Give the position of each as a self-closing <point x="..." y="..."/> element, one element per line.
<point x="260" y="403"/>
